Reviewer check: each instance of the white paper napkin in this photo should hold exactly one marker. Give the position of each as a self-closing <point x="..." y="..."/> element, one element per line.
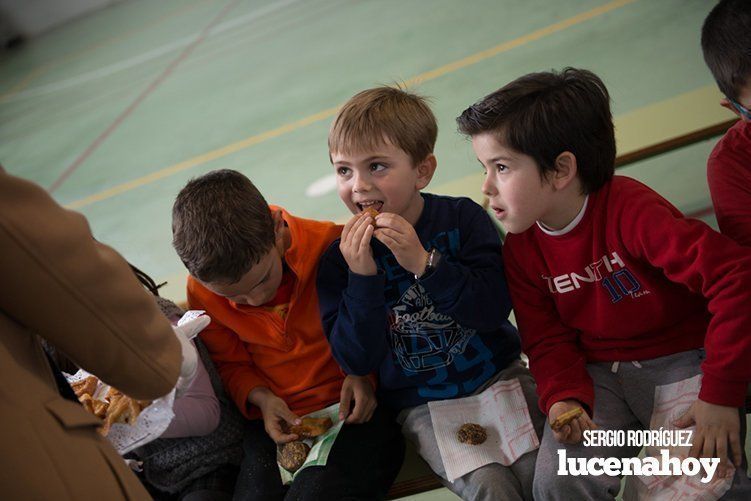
<point x="149" y="425"/>
<point x="671" y="402"/>
<point x="502" y="411"/>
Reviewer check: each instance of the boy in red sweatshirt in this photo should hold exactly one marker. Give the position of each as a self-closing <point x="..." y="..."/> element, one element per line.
<point x="614" y="291"/>
<point x="726" y="42"/>
<point x="253" y="269"/>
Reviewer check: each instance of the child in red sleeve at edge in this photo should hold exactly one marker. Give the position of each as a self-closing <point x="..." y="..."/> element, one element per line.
<point x="253" y="269"/>
<point x="614" y="291"/>
<point x="726" y="42"/>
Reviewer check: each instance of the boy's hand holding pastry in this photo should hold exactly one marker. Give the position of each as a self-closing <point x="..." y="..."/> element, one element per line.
<point x="276" y="415"/>
<point x="717" y="426"/>
<point x="569" y="421"/>
<point x="360" y="390"/>
<point x="400" y="237"/>
<point x="355" y="244"/>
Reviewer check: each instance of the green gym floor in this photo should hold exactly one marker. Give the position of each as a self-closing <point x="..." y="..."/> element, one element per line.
<point x="115" y="112"/>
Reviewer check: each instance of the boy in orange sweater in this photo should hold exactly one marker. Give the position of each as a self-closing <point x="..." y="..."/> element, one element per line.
<point x="253" y="269"/>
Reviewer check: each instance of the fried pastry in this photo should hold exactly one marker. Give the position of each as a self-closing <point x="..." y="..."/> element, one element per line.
<point x="293" y="455"/>
<point x="472" y="434"/>
<point x="115" y="408"/>
<point x="113" y="393"/>
<point x="87" y="402"/>
<point x="86" y="386"/>
<point x="99" y="408"/>
<point x="371" y="211"/>
<point x="566" y="418"/>
<point x="116" y="413"/>
<point x="311" y="427"/>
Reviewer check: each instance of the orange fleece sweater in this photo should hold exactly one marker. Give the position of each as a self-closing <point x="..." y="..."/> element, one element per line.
<point x="252" y="346"/>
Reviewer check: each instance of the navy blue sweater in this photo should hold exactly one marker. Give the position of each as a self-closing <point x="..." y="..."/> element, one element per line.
<point x="431" y="339"/>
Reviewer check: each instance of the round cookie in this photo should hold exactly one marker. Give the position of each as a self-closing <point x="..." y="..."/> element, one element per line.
<point x="293" y="455"/>
<point x="472" y="434"/>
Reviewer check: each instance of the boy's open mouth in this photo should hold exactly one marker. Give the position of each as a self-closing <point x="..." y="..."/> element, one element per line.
<point x="376" y="204"/>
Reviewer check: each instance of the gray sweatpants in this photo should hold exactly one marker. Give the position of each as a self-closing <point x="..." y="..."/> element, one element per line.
<point x="493" y="481"/>
<point x="624" y="399"/>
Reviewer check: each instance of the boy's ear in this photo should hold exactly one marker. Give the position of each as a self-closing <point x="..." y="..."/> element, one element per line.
<point x="425" y="171"/>
<point x="276" y="216"/>
<point x="281" y="237"/>
<point x="565" y="170"/>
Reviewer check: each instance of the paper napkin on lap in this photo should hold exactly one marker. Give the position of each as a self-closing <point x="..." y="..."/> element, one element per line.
<point x="502" y="411"/>
<point x="671" y="402"/>
<point x="319" y="446"/>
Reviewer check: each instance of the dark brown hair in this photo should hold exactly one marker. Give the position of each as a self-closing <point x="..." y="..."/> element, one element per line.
<point x="726" y="43"/>
<point x="221" y="226"/>
<point x="385" y="113"/>
<point x="545" y="114"/>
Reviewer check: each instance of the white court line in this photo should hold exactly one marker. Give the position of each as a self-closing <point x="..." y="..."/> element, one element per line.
<point x="322" y="186"/>
<point x="106" y="71"/>
<point x="29" y="119"/>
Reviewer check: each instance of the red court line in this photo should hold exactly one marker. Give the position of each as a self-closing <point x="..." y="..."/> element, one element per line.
<point x="152" y="86"/>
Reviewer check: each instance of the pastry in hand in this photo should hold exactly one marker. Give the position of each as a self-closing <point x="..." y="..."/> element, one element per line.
<point x="566" y="418"/>
<point x="311" y="427"/>
<point x="372" y="212"/>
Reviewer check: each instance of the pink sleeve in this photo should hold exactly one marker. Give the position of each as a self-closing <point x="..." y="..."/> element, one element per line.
<point x="197" y="410"/>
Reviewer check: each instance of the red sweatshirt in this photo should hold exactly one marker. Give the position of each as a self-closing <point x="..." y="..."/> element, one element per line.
<point x="633" y="280"/>
<point x="254" y="346"/>
<point x="729" y="177"/>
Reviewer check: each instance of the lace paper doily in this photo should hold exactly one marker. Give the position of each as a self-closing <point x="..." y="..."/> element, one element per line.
<point x="149" y="426"/>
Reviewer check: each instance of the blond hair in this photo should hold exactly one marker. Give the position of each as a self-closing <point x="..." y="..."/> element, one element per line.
<point x="384" y="114"/>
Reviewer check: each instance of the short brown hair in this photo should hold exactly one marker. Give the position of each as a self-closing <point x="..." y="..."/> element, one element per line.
<point x="726" y="44"/>
<point x="544" y="114"/>
<point x="385" y="113"/>
<point x="221" y="226"/>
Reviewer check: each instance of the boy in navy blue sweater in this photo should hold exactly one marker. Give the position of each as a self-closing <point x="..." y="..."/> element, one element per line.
<point x="416" y="294"/>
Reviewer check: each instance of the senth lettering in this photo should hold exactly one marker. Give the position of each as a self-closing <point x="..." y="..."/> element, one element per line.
<point x="592" y="273"/>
